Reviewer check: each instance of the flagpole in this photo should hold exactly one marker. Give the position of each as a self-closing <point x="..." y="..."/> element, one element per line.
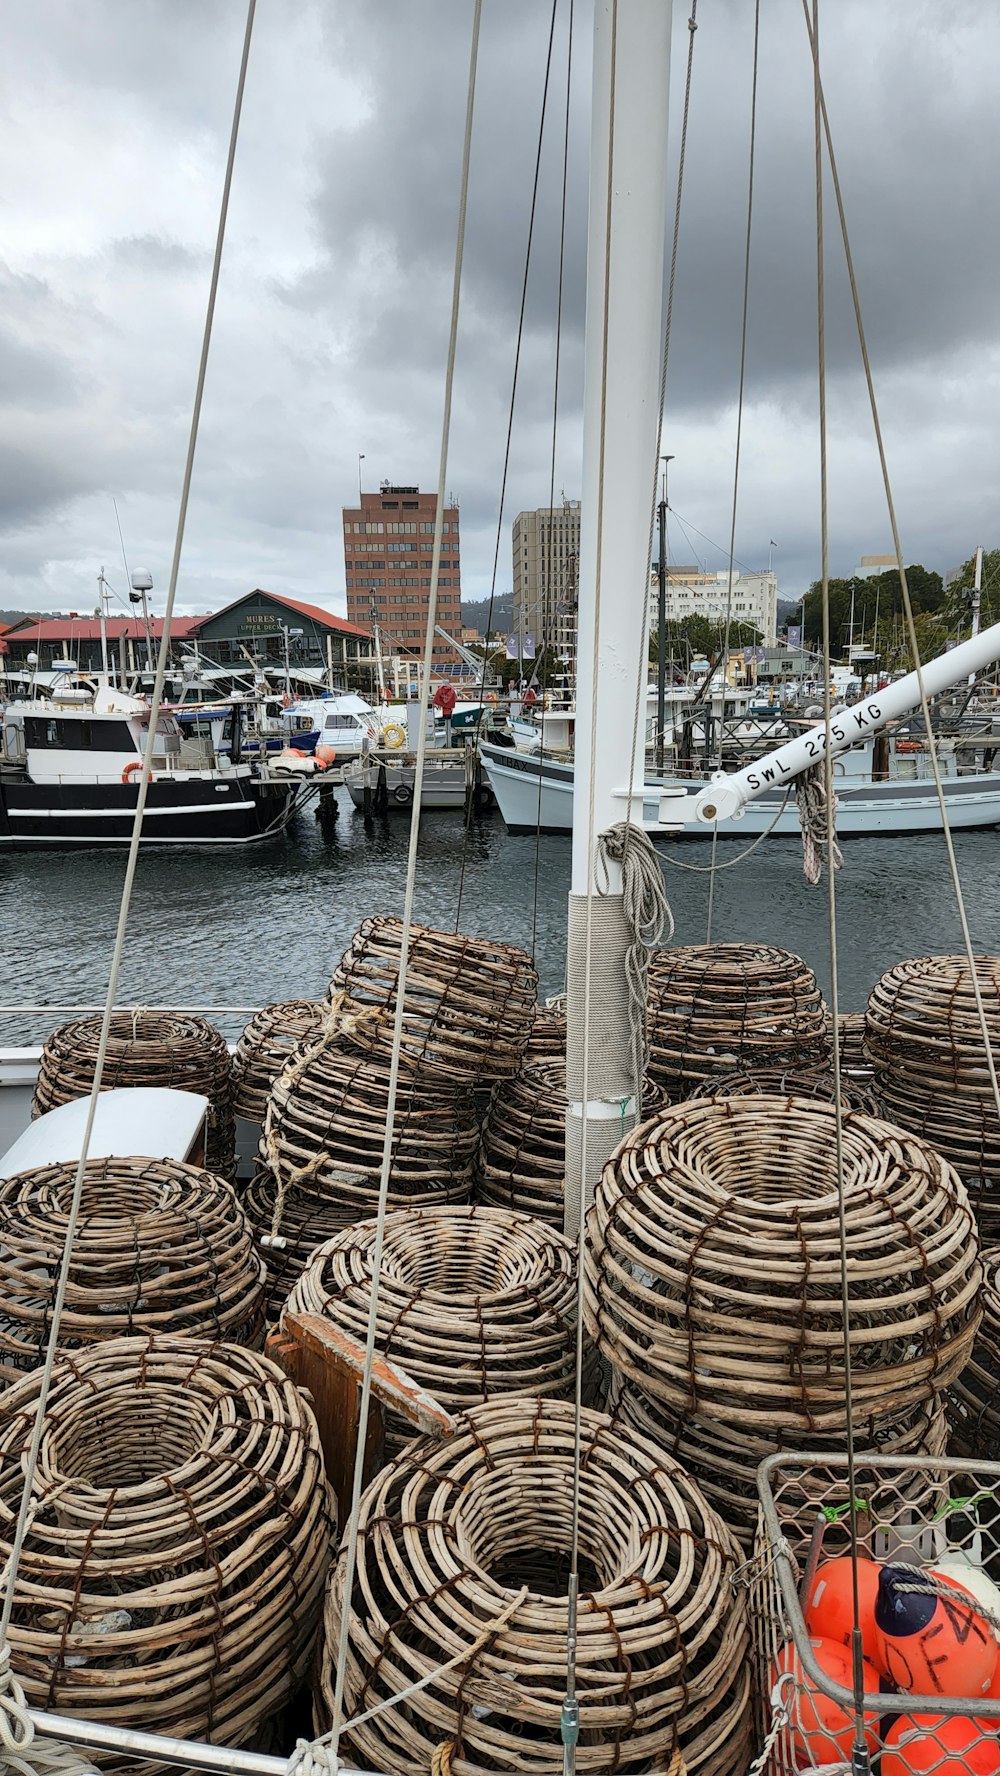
<point x="771" y="548"/>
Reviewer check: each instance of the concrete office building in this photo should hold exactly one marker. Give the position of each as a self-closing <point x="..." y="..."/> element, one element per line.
<point x="388" y="546"/>
<point x="546" y="560"/>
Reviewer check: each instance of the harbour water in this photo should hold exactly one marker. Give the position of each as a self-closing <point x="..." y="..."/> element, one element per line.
<point x="251" y="926"/>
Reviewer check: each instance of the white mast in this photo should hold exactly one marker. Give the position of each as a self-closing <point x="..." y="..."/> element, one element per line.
<point x="626" y="240"/>
<point x="977" y="589"/>
<point x="104" y="626"/>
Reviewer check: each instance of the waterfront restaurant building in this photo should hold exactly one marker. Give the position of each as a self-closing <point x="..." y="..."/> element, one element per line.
<point x="260" y="626"/>
<point x="54" y="640"/>
<point x="388" y="546"/>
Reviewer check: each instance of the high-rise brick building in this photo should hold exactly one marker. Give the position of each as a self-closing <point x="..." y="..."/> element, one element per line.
<point x="388" y="546"/>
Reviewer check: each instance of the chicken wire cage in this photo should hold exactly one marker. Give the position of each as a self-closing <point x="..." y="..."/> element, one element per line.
<point x="927" y="1535"/>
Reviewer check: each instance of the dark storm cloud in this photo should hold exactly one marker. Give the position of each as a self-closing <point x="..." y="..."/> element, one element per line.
<point x="333" y="309"/>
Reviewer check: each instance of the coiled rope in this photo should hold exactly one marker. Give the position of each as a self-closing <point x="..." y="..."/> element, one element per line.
<point x="648" y="916"/>
<point x="816" y="815"/>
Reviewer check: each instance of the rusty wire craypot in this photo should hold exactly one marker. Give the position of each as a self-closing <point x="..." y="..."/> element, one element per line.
<point x="147" y="1048"/>
<point x="713" y="1264"/>
<point x="463" y="1549"/>
<point x="473" y="1303"/>
<point x="172" y="1574"/>
<point x="469" y="1003"/>
<point x="269" y="1041"/>
<point x="159" y="1247"/>
<point x="714" y="1007"/>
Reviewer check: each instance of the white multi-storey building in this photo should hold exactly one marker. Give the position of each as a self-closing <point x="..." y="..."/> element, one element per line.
<point x="691" y="593"/>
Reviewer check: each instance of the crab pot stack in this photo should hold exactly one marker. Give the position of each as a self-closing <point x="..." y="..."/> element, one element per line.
<point x="547" y="1041"/>
<point x="521" y="1164"/>
<point x="973" y="1401"/>
<point x="926" y="1045"/>
<point x="464" y="1550"/>
<point x="472" y="1303"/>
<point x="159" y="1246"/>
<point x="854" y="1056"/>
<point x="145" y="1048"/>
<point x="792" y="1082"/>
<point x="723" y="1458"/>
<point x="273" y="1035"/>
<point x="713" y="1007"/>
<point x="173" y="1569"/>
<point x="713" y="1275"/>
<point x="322" y="1150"/>
<point x="468" y="1008"/>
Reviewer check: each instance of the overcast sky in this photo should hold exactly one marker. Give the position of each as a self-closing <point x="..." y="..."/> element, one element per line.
<point x="332" y="317"/>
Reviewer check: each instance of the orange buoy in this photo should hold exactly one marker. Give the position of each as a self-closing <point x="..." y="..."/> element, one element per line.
<point x="820" y="1731"/>
<point x="829" y="1608"/>
<point x="942" y="1745"/>
<point x="325" y="755"/>
<point x="927" y="1643"/>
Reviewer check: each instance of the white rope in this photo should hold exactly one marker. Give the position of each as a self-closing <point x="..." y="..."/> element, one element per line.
<point x="648" y="916"/>
<point x="817" y="806"/>
<point x="329" y="1751"/>
<point x="130" y="869"/>
<point x="20" y="1751"/>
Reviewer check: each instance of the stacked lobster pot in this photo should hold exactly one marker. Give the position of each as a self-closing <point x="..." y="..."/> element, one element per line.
<point x="472" y="1303"/>
<point x="716" y="1007"/>
<point x="460" y="1602"/>
<point x="467" y="1014"/>
<point x="521" y="1162"/>
<point x="924" y="1036"/>
<point x="272" y="1037"/>
<point x="159" y="1247"/>
<point x="179" y="1532"/>
<point x="145" y="1048"/>
<point x="713" y="1276"/>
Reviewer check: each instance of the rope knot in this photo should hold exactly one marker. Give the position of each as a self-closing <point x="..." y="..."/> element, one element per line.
<point x="815" y="818"/>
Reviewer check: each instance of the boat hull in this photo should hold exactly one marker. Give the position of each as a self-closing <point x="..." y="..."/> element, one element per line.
<point x="444" y="785"/>
<point x="179" y="811"/>
<point x="534" y="793"/>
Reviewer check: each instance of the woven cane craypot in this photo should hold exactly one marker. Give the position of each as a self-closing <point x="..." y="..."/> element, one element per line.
<point x="159" y="1246"/>
<point x="713" y="1007"/>
<point x="724" y="1458"/>
<point x="463" y="1549"/>
<point x="145" y="1048"/>
<point x="172" y="1574"/>
<point x="468" y="1007"/>
<point x="713" y="1265"/>
<point x="472" y="1303"/>
<point x="925" y="1040"/>
<point x="270" y="1039"/>
<point x="792" y="1082"/>
<point x="521" y="1163"/>
<point x="973" y="1399"/>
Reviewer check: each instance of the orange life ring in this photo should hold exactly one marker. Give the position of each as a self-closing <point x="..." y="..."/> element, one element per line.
<point x="131" y="769"/>
<point x="909" y="746"/>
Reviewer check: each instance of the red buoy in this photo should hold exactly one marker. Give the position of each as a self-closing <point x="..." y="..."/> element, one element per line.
<point x="829" y="1608"/>
<point x="819" y="1730"/>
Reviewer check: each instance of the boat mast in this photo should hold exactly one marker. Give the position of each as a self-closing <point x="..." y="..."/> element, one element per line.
<point x="102" y="613"/>
<point x="626" y="242"/>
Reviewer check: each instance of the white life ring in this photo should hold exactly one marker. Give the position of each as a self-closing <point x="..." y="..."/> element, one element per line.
<point x="393" y="736"/>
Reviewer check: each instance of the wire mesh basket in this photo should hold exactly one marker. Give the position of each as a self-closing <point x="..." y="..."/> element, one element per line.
<point x="928" y="1582"/>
